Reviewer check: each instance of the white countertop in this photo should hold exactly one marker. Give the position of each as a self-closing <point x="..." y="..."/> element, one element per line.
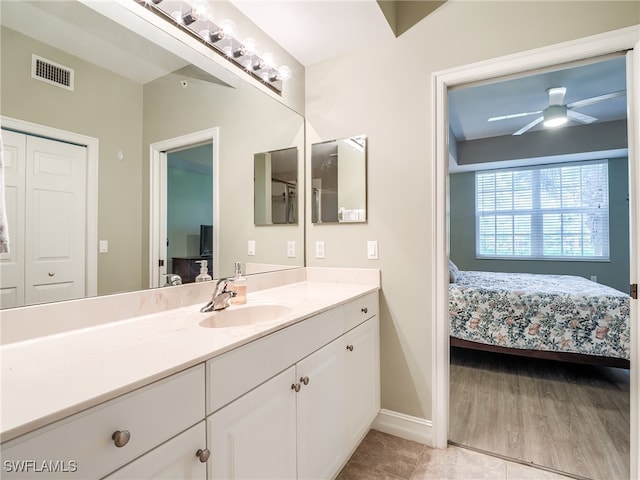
<point x="48" y="378"/>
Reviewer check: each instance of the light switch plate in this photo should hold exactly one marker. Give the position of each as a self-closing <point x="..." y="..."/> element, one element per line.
<point x="319" y="249"/>
<point x="103" y="246"/>
<point x="372" y="250"/>
<point x="291" y="248"/>
<point x="251" y="247"/>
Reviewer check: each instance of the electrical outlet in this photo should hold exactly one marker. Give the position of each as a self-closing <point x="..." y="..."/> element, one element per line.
<point x="594" y="278"/>
<point x="291" y="248"/>
<point x="251" y="247"/>
<point x="319" y="249"/>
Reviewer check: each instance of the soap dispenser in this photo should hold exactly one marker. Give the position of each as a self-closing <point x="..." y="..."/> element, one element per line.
<point x="204" y="274"/>
<point x="238" y="284"/>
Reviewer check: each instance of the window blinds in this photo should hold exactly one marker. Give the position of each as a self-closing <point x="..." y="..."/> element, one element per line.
<point x="547" y="212"/>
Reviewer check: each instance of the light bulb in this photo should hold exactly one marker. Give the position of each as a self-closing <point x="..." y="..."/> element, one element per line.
<point x="227" y="27"/>
<point x="284" y="73"/>
<point x="268" y="60"/>
<point x="249" y="46"/>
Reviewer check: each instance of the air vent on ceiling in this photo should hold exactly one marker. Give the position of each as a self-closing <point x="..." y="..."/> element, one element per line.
<point x="51" y="72"/>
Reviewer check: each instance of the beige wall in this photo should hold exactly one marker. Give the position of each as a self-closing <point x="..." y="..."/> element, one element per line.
<point x="250" y="122"/>
<point x="103" y="105"/>
<point x="386" y="92"/>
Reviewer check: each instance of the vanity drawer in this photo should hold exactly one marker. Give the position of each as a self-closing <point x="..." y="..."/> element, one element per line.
<point x="360" y="309"/>
<point x="236" y="372"/>
<point x="83" y="445"/>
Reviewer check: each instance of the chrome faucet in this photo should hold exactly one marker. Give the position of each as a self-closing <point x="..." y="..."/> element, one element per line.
<point x="172" y="279"/>
<point x="221" y="297"/>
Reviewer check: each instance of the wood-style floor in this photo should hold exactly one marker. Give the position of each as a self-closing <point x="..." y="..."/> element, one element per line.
<point x="568" y="417"/>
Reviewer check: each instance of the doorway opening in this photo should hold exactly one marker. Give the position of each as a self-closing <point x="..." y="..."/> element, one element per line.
<point x="545" y="57"/>
<point x="184" y="207"/>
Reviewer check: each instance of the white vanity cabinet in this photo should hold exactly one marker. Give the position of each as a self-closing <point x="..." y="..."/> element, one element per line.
<point x="308" y="408"/>
<point x="96" y="442"/>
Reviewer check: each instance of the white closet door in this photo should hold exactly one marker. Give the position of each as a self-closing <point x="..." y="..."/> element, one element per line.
<point x="55" y="230"/>
<point x="12" y="263"/>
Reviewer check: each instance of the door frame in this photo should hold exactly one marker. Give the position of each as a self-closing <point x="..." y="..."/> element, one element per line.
<point x="158" y="195"/>
<point x="91" y="230"/>
<point x="584" y="48"/>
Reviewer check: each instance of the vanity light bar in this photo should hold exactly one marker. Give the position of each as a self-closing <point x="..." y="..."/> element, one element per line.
<point x="191" y="17"/>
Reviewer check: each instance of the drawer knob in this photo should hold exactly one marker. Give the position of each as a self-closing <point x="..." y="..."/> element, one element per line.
<point x="295" y="386"/>
<point x="305" y="380"/>
<point x="121" y="438"/>
<point x="350" y="348"/>
<point x="203" y="454"/>
<point x="364" y="309"/>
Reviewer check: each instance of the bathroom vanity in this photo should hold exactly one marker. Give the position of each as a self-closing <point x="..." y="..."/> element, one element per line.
<point x="286" y="393"/>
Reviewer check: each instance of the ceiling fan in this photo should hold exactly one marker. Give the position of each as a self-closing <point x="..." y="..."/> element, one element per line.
<point x="557" y="113"/>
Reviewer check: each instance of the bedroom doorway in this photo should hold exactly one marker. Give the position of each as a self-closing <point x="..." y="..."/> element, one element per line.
<point x="546" y="58"/>
<point x="541" y="254"/>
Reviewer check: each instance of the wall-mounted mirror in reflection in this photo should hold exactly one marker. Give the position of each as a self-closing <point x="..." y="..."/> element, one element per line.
<point x="339" y="180"/>
<point x="276" y="187"/>
<point x="127" y="94"/>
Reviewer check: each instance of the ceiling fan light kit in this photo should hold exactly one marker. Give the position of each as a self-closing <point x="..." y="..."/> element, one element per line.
<point x="555" y="116"/>
<point x="557" y="112"/>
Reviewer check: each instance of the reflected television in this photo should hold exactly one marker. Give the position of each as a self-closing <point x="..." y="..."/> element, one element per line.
<point x="206" y="240"/>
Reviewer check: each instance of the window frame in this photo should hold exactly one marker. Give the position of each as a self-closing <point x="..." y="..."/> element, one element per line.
<point x="536" y="213"/>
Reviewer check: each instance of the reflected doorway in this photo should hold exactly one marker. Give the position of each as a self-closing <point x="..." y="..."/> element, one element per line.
<point x="184" y="206"/>
<point x="189" y="210"/>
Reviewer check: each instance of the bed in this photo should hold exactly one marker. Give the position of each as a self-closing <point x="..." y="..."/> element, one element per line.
<point x="558" y="317"/>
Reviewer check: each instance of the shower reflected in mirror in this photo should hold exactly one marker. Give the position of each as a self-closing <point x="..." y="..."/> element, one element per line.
<point x="276" y="187"/>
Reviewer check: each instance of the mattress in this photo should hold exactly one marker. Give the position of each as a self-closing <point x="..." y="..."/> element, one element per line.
<point x="562" y="313"/>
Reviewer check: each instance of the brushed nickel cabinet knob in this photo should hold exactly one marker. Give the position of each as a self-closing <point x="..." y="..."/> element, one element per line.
<point x="305" y="380"/>
<point x="296" y="387"/>
<point x="121" y="438"/>
<point x="350" y="348"/>
<point x="203" y="454"/>
<point x="364" y="309"/>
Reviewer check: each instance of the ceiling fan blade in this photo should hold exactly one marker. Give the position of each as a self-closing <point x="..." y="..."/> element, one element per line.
<point x="580" y="117"/>
<point x="599" y="98"/>
<point x="529" y="126"/>
<point x="513" y="115"/>
<point x="556" y="95"/>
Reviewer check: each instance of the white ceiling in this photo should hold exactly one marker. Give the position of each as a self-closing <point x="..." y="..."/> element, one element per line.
<point x="314" y="31"/>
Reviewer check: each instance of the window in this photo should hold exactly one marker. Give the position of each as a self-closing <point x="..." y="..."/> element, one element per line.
<point x="558" y="212"/>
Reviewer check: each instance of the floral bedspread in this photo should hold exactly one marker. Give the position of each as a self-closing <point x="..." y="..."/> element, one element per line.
<point x="540" y="312"/>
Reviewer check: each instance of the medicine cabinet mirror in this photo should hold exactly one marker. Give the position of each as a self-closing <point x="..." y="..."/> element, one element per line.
<point x="276" y="187"/>
<point x="339" y="181"/>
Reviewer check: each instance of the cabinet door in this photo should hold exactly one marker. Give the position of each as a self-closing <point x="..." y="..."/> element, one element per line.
<point x="176" y="459"/>
<point x="255" y="436"/>
<point x="321" y="413"/>
<point x="363" y="378"/>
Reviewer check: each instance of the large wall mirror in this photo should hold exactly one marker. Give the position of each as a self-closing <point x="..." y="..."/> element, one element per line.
<point x="339" y="180"/>
<point x="131" y="94"/>
<point x="276" y="187"/>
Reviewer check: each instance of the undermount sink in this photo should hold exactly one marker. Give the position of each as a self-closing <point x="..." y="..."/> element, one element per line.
<point x="238" y="316"/>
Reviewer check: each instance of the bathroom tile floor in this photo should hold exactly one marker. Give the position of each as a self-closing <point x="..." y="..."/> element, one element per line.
<point x="381" y="456"/>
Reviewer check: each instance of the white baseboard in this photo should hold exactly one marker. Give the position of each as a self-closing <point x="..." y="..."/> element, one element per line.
<point x="404" y="426"/>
